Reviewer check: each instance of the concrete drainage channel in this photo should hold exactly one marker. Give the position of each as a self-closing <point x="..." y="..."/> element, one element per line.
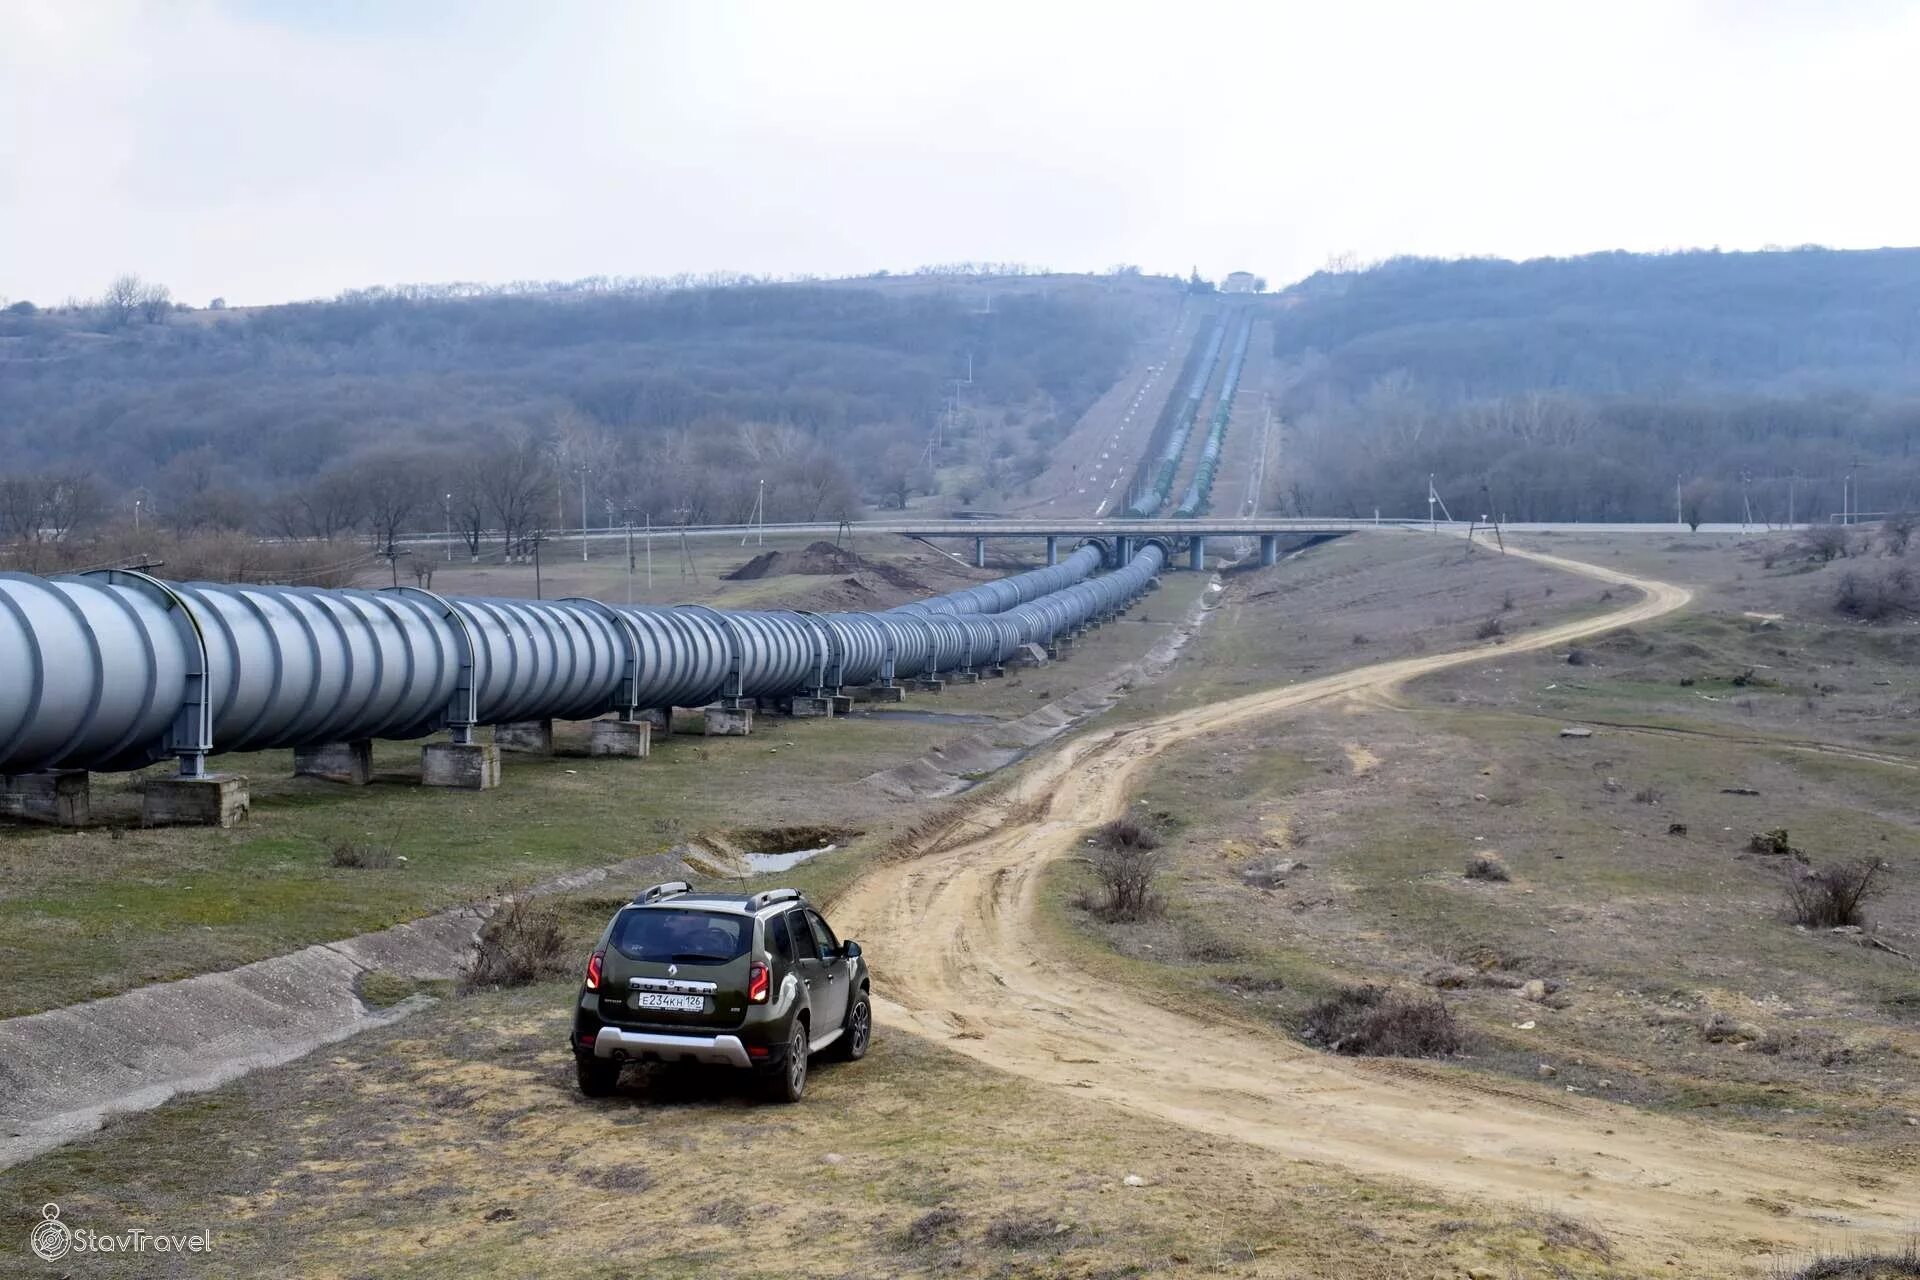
<point x="63" y="1072"/>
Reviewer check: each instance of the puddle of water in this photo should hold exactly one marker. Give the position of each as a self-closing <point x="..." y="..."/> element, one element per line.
<point x="770" y="862"/>
<point x="929" y="717"/>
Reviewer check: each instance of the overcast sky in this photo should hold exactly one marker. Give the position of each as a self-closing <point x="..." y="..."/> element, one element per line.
<point x="272" y="149"/>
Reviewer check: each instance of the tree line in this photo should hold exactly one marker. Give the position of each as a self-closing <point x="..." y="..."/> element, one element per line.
<point x="1706" y="386"/>
<point x="399" y="410"/>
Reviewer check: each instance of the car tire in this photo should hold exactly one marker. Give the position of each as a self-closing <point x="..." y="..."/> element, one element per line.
<point x="857" y="1034"/>
<point x="598" y="1077"/>
<point x="789" y="1083"/>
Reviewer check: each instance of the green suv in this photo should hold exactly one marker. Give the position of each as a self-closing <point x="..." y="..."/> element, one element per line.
<point x="757" y="982"/>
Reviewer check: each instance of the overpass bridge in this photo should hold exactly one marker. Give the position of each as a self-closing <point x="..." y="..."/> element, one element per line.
<point x="1116" y="536"/>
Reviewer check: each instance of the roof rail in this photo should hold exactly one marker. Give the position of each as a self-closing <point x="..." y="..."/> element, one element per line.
<point x="666" y="889"/>
<point x="767" y="897"/>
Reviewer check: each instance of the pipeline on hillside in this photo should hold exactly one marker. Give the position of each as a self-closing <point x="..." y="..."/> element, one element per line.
<point x="115" y="670"/>
<point x="1200" y="491"/>
<point x="1153" y="488"/>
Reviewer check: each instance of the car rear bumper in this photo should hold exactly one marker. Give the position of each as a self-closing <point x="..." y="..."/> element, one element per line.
<point x="612" y="1042"/>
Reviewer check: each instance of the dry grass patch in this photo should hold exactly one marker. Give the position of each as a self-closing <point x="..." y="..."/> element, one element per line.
<point x="1374" y="1022"/>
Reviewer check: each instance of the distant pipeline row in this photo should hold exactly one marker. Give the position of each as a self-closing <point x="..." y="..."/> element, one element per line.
<point x="115" y="670"/>
<point x="1200" y="490"/>
<point x="1152" y="492"/>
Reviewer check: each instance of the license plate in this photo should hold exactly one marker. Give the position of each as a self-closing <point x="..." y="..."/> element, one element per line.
<point x="661" y="1000"/>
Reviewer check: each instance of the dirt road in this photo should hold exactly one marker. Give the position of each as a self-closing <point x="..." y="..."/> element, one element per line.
<point x="961" y="961"/>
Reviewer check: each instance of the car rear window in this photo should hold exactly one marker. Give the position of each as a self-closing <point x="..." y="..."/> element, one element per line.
<point x="682" y="937"/>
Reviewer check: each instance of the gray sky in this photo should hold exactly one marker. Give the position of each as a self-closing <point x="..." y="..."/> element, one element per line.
<point x="273" y="149"/>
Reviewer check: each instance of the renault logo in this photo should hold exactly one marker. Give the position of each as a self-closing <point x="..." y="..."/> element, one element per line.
<point x="672" y="969"/>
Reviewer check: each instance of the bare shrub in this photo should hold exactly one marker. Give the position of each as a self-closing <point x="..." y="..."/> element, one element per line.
<point x="1774" y="844"/>
<point x="362" y="857"/>
<point x="1825" y="543"/>
<point x="1873" y="597"/>
<point x="1489" y="629"/>
<point x="1126" y="861"/>
<point x="1359" y="638"/>
<point x="1649" y="795"/>
<point x="1506" y="603"/>
<point x="1125" y="833"/>
<point x="1834" y="896"/>
<point x="1488" y="866"/>
<point x="1578" y="657"/>
<point x="521" y="942"/>
<point x="1374" y="1022"/>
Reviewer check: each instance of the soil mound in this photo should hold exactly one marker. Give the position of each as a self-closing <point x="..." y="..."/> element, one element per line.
<point x="826" y="560"/>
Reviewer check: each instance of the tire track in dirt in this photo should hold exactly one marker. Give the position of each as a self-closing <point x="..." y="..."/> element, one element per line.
<point x="963" y="963"/>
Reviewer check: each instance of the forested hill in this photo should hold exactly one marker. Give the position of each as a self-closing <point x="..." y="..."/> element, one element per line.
<point x="1581" y="388"/>
<point x="676" y="402"/>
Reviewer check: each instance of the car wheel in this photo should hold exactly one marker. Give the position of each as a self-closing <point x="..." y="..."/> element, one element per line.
<point x="852" y="1045"/>
<point x="788" y="1083"/>
<point x="597" y="1077"/>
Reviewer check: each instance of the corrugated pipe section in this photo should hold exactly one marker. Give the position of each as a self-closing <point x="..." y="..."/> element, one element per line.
<point x="116" y="670"/>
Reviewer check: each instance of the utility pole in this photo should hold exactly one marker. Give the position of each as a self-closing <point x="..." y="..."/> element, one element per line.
<point x="449" y="511"/>
<point x="629" y="562"/>
<point x="649" y="553"/>
<point x="759" y="517"/>
<point x="1679" y="511"/>
<point x="583" y="513"/>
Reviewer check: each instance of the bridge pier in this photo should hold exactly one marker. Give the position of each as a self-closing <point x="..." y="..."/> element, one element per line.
<point x="1269" y="550"/>
<point x="979" y="553"/>
<point x="210" y="800"/>
<point x="1122" y="552"/>
<point x="1053" y="549"/>
<point x="464" y="766"/>
<point x="1197" y="554"/>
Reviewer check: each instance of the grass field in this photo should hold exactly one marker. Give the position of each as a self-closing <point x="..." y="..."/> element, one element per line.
<point x="1676" y="980"/>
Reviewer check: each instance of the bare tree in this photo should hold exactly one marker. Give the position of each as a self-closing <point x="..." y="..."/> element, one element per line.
<point x="121" y="302"/>
<point x="155" y="301"/>
<point x="514" y="478"/>
<point x="395" y="485"/>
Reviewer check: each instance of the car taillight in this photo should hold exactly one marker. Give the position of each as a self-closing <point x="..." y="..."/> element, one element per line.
<point x="594" y="962"/>
<point x="758" y="980"/>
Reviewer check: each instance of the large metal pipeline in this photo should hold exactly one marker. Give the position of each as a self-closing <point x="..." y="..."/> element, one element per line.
<point x="115" y="670"/>
<point x="1200" y="490"/>
<point x="1160" y="482"/>
<point x="1004" y="593"/>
